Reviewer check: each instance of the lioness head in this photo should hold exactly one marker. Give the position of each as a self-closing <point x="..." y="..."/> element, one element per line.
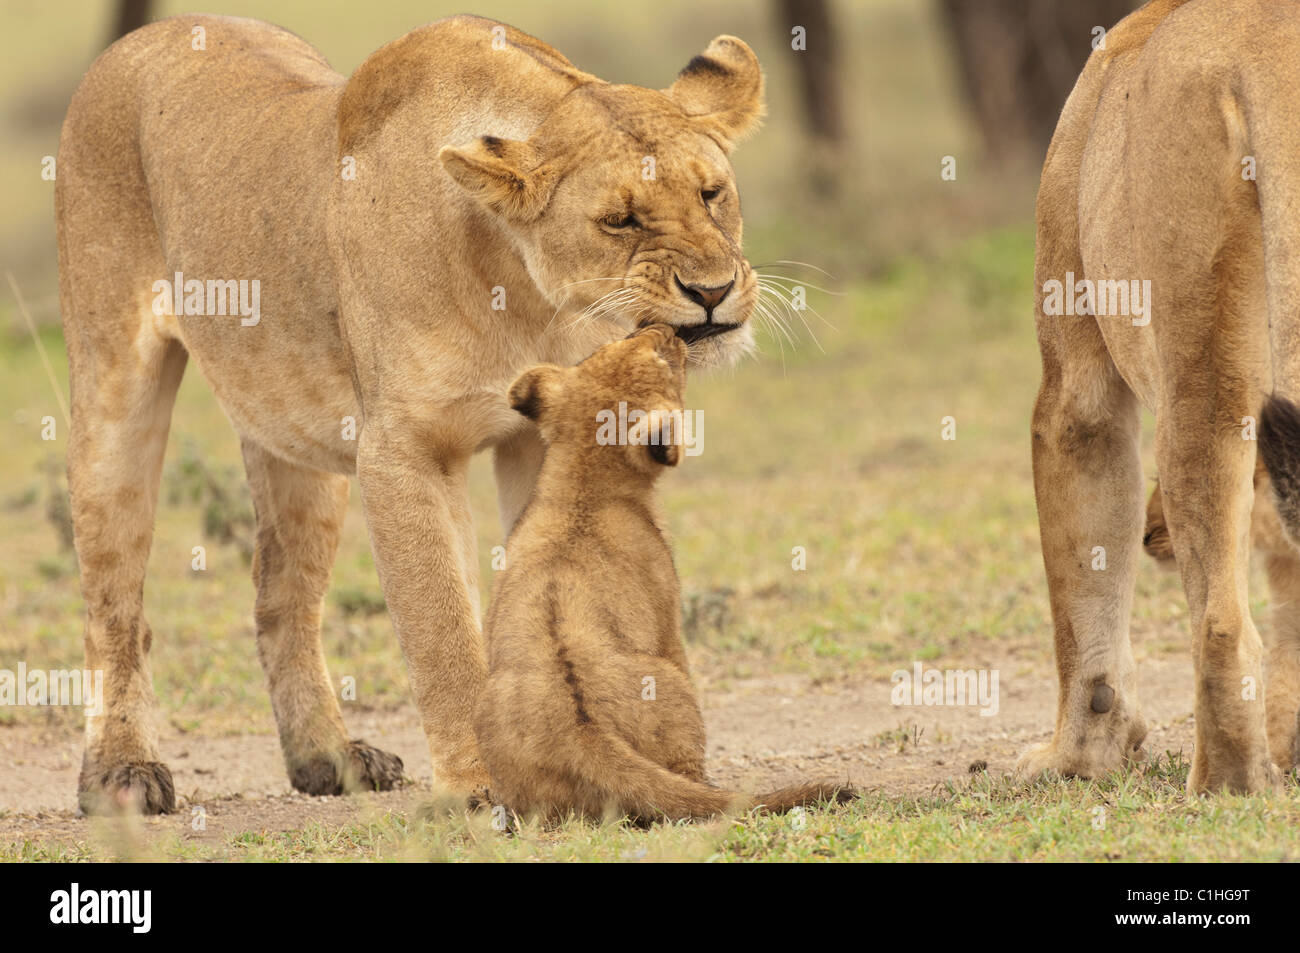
<point x="624" y="202"/>
<point x="574" y="406"/>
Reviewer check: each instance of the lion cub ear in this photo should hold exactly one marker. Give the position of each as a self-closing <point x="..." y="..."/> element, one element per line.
<point x="722" y="88"/>
<point x="668" y="454"/>
<point x="506" y="175"/>
<point x="535" y="390"/>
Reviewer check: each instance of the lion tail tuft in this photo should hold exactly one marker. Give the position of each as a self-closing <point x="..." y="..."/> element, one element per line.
<point x="809" y="794"/>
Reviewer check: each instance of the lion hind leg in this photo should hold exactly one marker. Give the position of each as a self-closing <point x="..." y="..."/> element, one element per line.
<point x="1206" y="476"/>
<point x="1281" y="637"/>
<point x="300" y="515"/>
<point x="1088" y="480"/>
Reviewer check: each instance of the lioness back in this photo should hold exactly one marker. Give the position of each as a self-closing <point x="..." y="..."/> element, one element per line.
<point x="224" y="139"/>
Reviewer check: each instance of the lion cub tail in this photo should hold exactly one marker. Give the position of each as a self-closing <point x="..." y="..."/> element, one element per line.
<point x="807" y="794"/>
<point x="646" y="789"/>
<point x="643" y="788"/>
<point x="1279" y="445"/>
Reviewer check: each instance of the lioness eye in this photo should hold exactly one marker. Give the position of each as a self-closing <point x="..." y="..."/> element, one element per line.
<point x="710" y="194"/>
<point x="622" y="221"/>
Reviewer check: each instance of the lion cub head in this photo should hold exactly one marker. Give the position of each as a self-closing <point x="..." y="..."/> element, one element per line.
<point x="1266" y="533"/>
<point x="624" y="202"/>
<point x="640" y="379"/>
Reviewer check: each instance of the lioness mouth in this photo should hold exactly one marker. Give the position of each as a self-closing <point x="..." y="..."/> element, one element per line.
<point x="691" y="333"/>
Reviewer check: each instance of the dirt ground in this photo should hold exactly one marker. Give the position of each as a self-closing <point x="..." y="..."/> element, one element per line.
<point x="762" y="732"/>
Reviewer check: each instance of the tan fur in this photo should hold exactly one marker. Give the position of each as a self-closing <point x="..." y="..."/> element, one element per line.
<point x="488" y="170"/>
<point x="589" y="706"/>
<point x="1282" y="642"/>
<point x="1143" y="180"/>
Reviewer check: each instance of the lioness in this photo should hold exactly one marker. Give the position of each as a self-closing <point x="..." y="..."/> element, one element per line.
<point x="467" y="204"/>
<point x="588" y="705"/>
<point x="1174" y="163"/>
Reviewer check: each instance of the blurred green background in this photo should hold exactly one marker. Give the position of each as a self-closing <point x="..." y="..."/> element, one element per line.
<point x="902" y="106"/>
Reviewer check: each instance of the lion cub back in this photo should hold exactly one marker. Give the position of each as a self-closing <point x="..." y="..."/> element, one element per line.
<point x="587" y="673"/>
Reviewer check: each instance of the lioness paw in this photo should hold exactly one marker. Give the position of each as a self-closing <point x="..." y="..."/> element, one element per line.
<point x="135" y="788"/>
<point x="359" y="767"/>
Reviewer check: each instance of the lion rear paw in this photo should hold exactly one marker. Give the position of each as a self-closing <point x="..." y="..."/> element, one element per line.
<point x="1091" y="762"/>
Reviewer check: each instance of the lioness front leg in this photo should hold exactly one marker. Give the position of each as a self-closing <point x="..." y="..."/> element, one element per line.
<point x="417" y="508"/>
<point x="115" y="455"/>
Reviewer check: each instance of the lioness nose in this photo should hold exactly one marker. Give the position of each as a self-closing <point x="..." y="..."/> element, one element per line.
<point x="706" y="298"/>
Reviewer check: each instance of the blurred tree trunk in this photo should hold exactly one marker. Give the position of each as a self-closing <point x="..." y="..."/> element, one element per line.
<point x="817" y="66"/>
<point x="131" y="15"/>
<point x="1018" y="61"/>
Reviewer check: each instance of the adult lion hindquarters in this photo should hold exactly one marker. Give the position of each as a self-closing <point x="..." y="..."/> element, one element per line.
<point x="1149" y="189"/>
<point x="467" y="204"/>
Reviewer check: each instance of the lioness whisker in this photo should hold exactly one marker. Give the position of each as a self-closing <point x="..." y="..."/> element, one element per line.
<point x="605" y="304"/>
<point x="774" y="322"/>
<point x="772" y="327"/>
<point x="789" y="261"/>
<point x="587" y="281"/>
<point x="765" y="277"/>
<point x="775" y="293"/>
<point x="571" y="284"/>
<point x="784" y="295"/>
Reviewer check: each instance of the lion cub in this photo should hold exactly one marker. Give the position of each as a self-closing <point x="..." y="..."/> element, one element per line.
<point x="588" y="706"/>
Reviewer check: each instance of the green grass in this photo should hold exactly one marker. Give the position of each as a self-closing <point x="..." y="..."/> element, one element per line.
<point x="1142" y="816"/>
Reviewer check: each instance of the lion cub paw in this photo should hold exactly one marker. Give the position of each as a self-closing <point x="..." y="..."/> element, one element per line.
<point x="136" y="788"/>
<point x="359" y="767"/>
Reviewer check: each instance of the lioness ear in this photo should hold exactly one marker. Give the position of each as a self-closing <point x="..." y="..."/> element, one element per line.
<point x="723" y="88"/>
<point x="534" y="389"/>
<point x="506" y="175"/>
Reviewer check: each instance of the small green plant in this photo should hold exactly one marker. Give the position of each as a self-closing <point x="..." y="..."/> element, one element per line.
<point x="228" y="516"/>
<point x="899" y="738"/>
<point x="58" y="506"/>
<point x="704" y="610"/>
<point x="358" y="600"/>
